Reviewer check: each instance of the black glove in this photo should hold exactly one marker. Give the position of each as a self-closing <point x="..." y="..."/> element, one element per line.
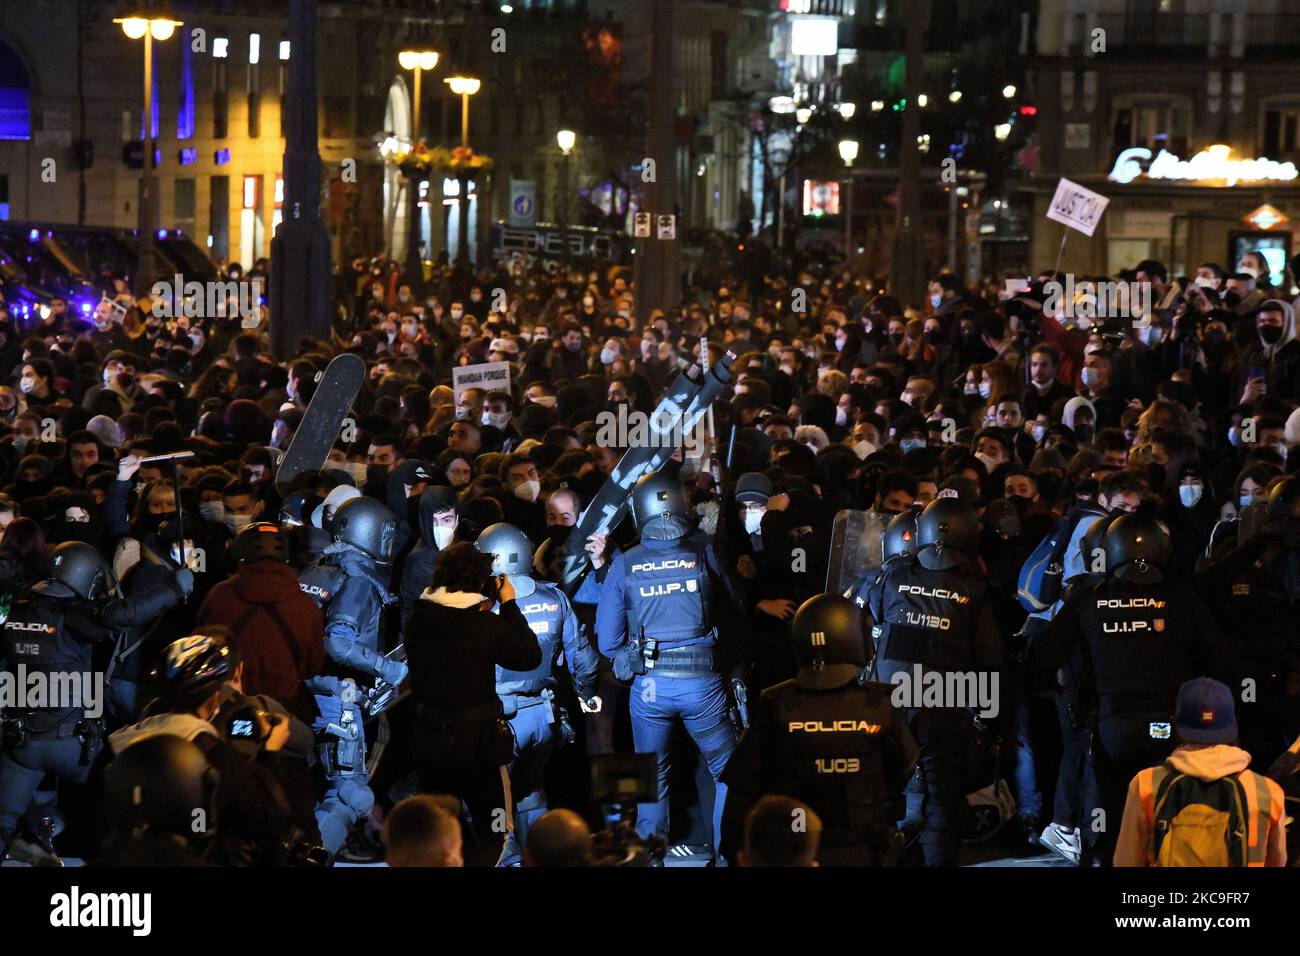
<point x="183" y="582"/>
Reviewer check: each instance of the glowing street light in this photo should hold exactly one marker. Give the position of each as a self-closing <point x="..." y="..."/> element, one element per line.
<point x="954" y="96"/>
<point x="1009" y="90"/>
<point x="147" y="29"/>
<point x="566" y="138"/>
<point x="848" y="151"/>
<point x="464" y="87"/>
<point x="847" y="110"/>
<point x="417" y="61"/>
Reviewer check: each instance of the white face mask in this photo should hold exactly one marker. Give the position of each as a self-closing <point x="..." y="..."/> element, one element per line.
<point x="237" y="523"/>
<point x="546" y="401"/>
<point x="1189" y="495"/>
<point x="841" y="415"/>
<point x="971" y="389"/>
<point x="357" y="469"/>
<point x="27" y="384"/>
<point x="989" y="461"/>
<point x="528" y="490"/>
<point x="1205" y="283"/>
<point x="1038" y="431"/>
<point x="985" y="390"/>
<point x="456" y="314"/>
<point x="863" y="448"/>
<point x="214" y="511"/>
<point x="1091" y="377"/>
<point x="753" y="519"/>
<point x="497" y="421"/>
<point x="442" y="536"/>
<point x="608" y="356"/>
<point x="462" y="413"/>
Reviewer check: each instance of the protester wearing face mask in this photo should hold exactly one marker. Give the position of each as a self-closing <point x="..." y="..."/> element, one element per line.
<point x="1270" y="366"/>
<point x="1190" y="517"/>
<point x="524" y="510"/>
<point x="36" y="381"/>
<point x="241" y="506"/>
<point x="439" y="516"/>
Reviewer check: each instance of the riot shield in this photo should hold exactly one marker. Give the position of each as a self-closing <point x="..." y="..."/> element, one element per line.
<point x="855" y="548"/>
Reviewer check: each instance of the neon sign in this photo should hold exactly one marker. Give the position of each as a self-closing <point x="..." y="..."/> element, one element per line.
<point x="1213" y="164"/>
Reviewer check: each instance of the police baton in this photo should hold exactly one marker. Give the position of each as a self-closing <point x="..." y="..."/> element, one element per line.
<point x="175" y="458"/>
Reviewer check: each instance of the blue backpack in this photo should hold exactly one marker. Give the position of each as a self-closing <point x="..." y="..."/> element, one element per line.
<point x="1041" y="577"/>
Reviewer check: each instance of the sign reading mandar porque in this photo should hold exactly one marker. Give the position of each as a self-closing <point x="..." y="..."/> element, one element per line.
<point x="489" y="376"/>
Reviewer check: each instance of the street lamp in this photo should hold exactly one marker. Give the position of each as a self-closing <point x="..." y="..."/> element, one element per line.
<point x="464" y="87"/>
<point x="416" y="61"/>
<point x="566" y="138"/>
<point x="848" y="153"/>
<point x="847" y="110"/>
<point x="147" y="29"/>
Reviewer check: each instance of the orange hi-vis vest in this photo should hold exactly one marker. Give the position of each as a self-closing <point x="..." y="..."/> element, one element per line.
<point x="1264" y="808"/>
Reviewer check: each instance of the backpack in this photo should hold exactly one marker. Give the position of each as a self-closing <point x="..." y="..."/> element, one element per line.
<point x="1200" y="822"/>
<point x="1039" y="584"/>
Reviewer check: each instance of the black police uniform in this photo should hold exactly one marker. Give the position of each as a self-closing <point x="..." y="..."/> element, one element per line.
<point x="942" y="621"/>
<point x="1137" y="644"/>
<point x="47" y="637"/>
<point x="845" y="752"/>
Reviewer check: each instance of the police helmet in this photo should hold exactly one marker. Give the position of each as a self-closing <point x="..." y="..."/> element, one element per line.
<point x="80" y="568"/>
<point x="512" y="552"/>
<point x="657" y="495"/>
<point x="947" y="534"/>
<point x="1136" y="549"/>
<point x="261" y="541"/>
<point x="156" y="784"/>
<point x="1093" y="544"/>
<point x="195" y="666"/>
<point x="1002" y="519"/>
<point x="899" y="539"/>
<point x="322" y="516"/>
<point x="827" y="636"/>
<point x="1284" y="501"/>
<point x="366" y="525"/>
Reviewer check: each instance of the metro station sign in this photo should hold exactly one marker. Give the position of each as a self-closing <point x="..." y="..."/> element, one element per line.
<point x="1213" y="164"/>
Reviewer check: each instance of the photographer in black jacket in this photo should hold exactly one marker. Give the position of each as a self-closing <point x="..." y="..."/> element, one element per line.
<point x="454" y="645"/>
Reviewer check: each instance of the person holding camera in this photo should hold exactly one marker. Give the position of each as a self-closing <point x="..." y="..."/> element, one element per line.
<point x="243" y="744"/>
<point x="454" y="646"/>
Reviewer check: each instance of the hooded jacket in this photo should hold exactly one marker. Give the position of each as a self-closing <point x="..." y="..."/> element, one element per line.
<point x="281" y="628"/>
<point x="1280" y="361"/>
<point x="1135" y="846"/>
<point x="417" y="574"/>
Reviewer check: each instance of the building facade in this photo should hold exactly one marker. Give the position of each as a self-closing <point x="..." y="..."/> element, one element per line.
<point x="1162" y="107"/>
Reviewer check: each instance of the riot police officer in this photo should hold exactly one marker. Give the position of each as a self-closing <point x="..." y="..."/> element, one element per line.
<point x="1254" y="592"/>
<point x="528" y="697"/>
<point x="1139" y="637"/>
<point x="897" y="546"/>
<point x="828" y="740"/>
<point x="936" y="620"/>
<point x="347" y="585"/>
<point x="656" y="619"/>
<point x="50" y="632"/>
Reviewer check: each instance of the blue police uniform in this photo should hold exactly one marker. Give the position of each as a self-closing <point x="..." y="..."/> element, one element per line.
<point x="528" y="701"/>
<point x="348" y="589"/>
<point x="659" y="593"/>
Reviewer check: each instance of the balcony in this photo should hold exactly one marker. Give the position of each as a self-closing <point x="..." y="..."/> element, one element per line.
<point x="1152" y="32"/>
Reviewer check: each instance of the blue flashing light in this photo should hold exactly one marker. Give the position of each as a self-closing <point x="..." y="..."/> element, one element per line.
<point x="34" y="235"/>
<point x="162" y="234"/>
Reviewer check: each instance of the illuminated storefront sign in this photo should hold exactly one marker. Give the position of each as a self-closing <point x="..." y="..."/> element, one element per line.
<point x="1213" y="164"/>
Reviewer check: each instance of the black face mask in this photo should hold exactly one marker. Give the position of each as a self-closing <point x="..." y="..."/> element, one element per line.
<point x="1271" y="334"/>
<point x="558" y="534"/>
<point x="1019" y="502"/>
<point x="895" y="339"/>
<point x="934" y="337"/>
<point x="1083" y="433"/>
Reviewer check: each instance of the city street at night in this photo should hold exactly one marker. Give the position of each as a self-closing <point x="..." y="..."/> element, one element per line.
<point x="790" y="435"/>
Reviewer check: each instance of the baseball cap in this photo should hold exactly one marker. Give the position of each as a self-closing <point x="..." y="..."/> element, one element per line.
<point x="1205" y="713"/>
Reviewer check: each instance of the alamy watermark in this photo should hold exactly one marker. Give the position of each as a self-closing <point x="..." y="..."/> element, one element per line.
<point x="21" y="689"/>
<point x="175" y="297"/>
<point x="1105" y="299"/>
<point x="972" y="690"/>
<point x="632" y="429"/>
